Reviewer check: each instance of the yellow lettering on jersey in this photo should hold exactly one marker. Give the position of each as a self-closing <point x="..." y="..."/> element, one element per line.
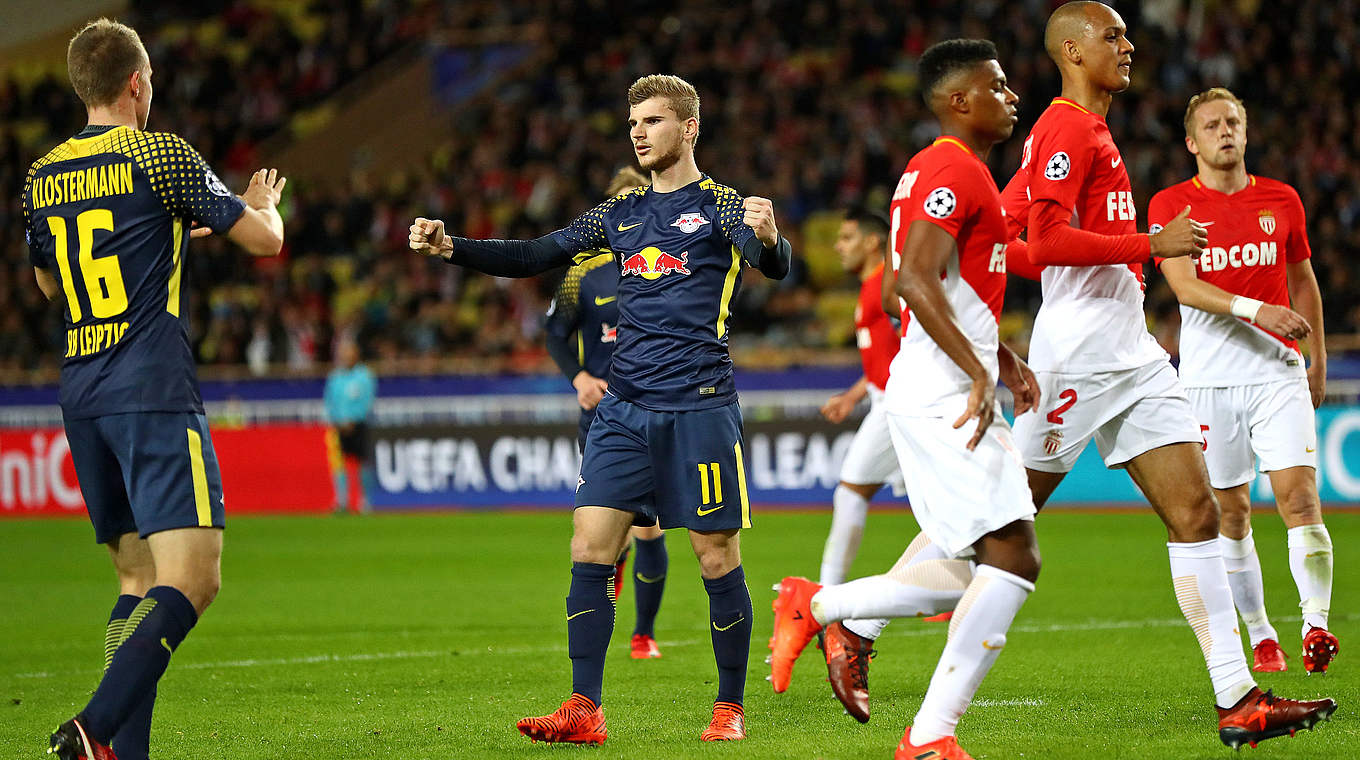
<point x="87" y="340"/>
<point x="83" y="184"/>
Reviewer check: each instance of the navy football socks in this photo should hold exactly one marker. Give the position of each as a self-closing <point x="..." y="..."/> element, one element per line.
<point x="153" y="630"/>
<point x="729" y="613"/>
<point x="649" y="580"/>
<point x="590" y="623"/>
<point x="133" y="740"/>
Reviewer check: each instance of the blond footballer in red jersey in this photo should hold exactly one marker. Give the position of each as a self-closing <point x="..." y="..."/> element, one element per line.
<point x="861" y="245"/>
<point x="1101" y="375"/>
<point x="966" y="481"/>
<point x="1242" y="369"/>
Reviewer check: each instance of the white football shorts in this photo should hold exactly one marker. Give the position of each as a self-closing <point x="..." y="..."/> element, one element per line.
<point x="870" y="458"/>
<point x="1128" y="412"/>
<point x="958" y="496"/>
<point x="1274" y="421"/>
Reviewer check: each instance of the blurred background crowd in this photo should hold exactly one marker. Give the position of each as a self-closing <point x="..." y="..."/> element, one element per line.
<point x="519" y="120"/>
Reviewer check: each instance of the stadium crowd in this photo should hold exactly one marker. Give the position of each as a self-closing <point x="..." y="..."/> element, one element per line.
<point x="812" y="103"/>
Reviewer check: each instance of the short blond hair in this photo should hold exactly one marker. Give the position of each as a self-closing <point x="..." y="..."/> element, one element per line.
<point x="681" y="95"/>
<point x="626" y="178"/>
<point x="101" y="58"/>
<point x="1209" y="96"/>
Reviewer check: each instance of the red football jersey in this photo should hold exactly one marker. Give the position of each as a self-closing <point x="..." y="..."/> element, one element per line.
<point x="874" y="332"/>
<point x="949" y="186"/>
<point x="1253" y="234"/>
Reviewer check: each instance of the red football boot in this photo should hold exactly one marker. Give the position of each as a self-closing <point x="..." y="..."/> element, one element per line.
<point x="847" y="668"/>
<point x="1261" y="715"/>
<point x="1319" y="647"/>
<point x="643" y="647"/>
<point x="72" y="742"/>
<point x="1267" y="657"/>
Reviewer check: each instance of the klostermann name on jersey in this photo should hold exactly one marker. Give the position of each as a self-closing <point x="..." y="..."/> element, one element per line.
<point x="1092" y="317"/>
<point x="107" y="212"/>
<point x="948" y="185"/>
<point x="1253" y="234"/>
<point x="679" y="259"/>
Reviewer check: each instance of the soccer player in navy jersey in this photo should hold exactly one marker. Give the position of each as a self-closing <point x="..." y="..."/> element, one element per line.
<point x="587" y="297"/>
<point x="107" y="217"/>
<point x="666" y="443"/>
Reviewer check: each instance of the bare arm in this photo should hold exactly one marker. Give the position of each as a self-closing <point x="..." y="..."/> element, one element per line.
<point x="927" y="249"/>
<point x="888" y="296"/>
<point x="49" y="286"/>
<point x="1191" y="291"/>
<point x="838" y="407"/>
<point x="1307" y="299"/>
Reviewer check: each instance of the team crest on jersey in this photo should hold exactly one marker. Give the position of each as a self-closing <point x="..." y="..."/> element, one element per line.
<point x="940" y="203"/>
<point x="1058" y="166"/>
<point x="1266" y="218"/>
<point x="690" y="221"/>
<point x="652" y="262"/>
<point x="215" y="184"/>
<point x="608" y="333"/>
<point x="1053" y="441"/>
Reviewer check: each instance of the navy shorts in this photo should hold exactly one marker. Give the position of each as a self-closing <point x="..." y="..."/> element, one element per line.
<point x="146" y="472"/>
<point x="583" y="428"/>
<point x="683" y="469"/>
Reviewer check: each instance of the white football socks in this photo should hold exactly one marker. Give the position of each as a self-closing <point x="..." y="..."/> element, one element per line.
<point x="849" y="511"/>
<point x="1201" y="583"/>
<point x="977" y="633"/>
<point x="1310" y="560"/>
<point x="924" y="588"/>
<point x="921" y="549"/>
<point x="1248" y="592"/>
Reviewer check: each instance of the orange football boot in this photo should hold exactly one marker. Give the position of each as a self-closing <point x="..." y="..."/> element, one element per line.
<point x="794" y="627"/>
<point x="941" y="749"/>
<point x="643" y="647"/>
<point x="578" y="721"/>
<point x="728" y="724"/>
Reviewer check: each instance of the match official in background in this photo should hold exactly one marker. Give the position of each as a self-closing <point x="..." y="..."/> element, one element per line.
<point x="107" y="217"/>
<point x="349" y="395"/>
<point x="586" y="297"/>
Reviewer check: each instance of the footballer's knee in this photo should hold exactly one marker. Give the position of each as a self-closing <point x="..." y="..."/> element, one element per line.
<point x="1197" y="519"/>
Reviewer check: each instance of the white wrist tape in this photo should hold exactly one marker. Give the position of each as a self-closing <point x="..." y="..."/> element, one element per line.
<point x="1246" y="308"/>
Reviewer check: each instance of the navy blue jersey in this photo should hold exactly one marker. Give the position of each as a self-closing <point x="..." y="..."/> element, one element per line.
<point x="587" y="304"/>
<point x="107" y="213"/>
<point x="679" y="257"/>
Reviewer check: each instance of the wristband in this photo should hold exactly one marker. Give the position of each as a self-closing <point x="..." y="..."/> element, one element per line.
<point x="1246" y="308"/>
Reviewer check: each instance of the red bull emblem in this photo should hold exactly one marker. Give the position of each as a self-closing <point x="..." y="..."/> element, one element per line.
<point x="1267" y="220"/>
<point x="652" y="262"/>
<point x="1052" y="441"/>
<point x="608" y="333"/>
<point x="690" y="221"/>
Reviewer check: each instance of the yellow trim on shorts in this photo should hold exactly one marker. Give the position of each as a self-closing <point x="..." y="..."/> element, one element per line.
<point x="741" y="486"/>
<point x="200" y="475"/>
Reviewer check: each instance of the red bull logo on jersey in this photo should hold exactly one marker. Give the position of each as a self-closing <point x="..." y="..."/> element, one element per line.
<point x="1267" y="220"/>
<point x="1216" y="259"/>
<point x="608" y="333"/>
<point x="652" y="262"/>
<point x="689" y="222"/>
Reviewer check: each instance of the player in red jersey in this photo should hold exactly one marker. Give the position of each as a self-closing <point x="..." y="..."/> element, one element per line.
<point x="1242" y="369"/>
<point x="870" y="461"/>
<point x="966" y="482"/>
<point x="1100" y="373"/>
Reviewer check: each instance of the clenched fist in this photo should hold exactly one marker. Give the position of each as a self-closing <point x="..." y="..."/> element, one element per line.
<point x="427" y="237"/>
<point x="759" y="216"/>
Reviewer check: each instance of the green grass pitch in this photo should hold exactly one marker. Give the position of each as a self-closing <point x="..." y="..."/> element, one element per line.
<point x="428" y="635"/>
